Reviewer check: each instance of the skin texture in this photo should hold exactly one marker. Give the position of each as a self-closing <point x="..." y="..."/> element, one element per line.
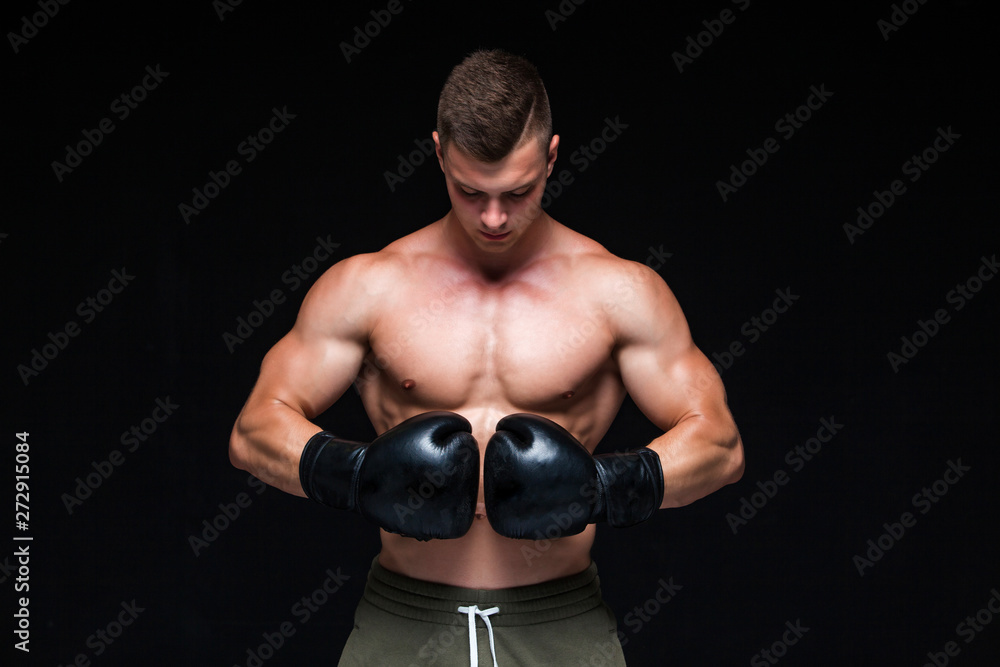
<point x="540" y="320"/>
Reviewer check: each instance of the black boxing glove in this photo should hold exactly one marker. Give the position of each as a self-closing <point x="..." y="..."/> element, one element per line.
<point x="538" y="479"/>
<point x="419" y="479"/>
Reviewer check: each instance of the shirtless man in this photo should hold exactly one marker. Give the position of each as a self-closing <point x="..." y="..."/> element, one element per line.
<point x="496" y="309"/>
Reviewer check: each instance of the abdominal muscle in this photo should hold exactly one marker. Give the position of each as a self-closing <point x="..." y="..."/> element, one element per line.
<point x="485" y="559"/>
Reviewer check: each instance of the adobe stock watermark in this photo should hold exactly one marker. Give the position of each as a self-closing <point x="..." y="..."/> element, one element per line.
<point x="606" y="652"/>
<point x="249" y="149"/>
<point x="642" y="614"/>
<point x="583" y="157"/>
<point x="442" y="642"/>
<point x="22" y="617"/>
<point x="450" y="293"/>
<point x="121" y="107"/>
<point x="88" y="309"/>
<point x="104" y="637"/>
<point x="131" y="440"/>
<point x="223" y="7"/>
<point x="696" y="44"/>
<point x="559" y="522"/>
<point x="778" y="649"/>
<point x="657" y="257"/>
<point x="433" y="481"/>
<point x="32" y="23"/>
<point x="302" y="610"/>
<point x="754" y="328"/>
<point x="958" y="297"/>
<point x="914" y="168"/>
<point x="967" y="629"/>
<point x="624" y="292"/>
<point x="294" y="277"/>
<point x="898" y="17"/>
<point x="407" y="166"/>
<point x="212" y="528"/>
<point x="364" y="33"/>
<point x="787" y="126"/>
<point x="575" y="337"/>
<point x="562" y="12"/>
<point x="796" y="458"/>
<point x="709" y="379"/>
<point x="924" y="501"/>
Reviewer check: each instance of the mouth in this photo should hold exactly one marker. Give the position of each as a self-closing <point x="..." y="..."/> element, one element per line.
<point x="494" y="237"/>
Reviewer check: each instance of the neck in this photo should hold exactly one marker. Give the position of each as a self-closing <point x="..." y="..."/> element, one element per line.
<point x="496" y="266"/>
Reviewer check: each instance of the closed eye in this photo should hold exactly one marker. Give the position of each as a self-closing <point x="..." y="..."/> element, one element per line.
<point x="476" y="193"/>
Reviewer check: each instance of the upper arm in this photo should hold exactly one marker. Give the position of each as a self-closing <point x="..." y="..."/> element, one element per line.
<point x="319" y="358"/>
<point x="664" y="372"/>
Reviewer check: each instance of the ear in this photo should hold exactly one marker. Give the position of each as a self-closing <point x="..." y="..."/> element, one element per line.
<point x="437" y="149"/>
<point x="553" y="154"/>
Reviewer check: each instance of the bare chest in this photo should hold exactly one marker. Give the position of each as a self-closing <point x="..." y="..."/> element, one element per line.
<point x="522" y="347"/>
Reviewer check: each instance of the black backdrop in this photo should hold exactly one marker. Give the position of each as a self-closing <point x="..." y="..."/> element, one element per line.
<point x="138" y="555"/>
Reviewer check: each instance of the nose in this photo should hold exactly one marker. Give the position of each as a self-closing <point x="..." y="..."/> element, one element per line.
<point x="493" y="216"/>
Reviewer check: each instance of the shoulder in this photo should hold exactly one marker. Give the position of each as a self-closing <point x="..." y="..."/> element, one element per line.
<point x="618" y="281"/>
<point x="351" y="291"/>
<point x="636" y="301"/>
<point x="347" y="275"/>
<point x="374" y="274"/>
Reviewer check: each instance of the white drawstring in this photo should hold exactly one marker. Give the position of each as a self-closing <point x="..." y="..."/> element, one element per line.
<point x="484" y="614"/>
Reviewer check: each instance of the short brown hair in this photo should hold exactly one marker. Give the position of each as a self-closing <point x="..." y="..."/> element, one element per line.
<point x="492" y="102"/>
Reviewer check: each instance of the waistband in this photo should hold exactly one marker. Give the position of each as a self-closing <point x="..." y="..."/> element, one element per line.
<point x="521" y="605"/>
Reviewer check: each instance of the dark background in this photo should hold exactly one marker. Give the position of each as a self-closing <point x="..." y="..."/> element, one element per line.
<point x="654" y="187"/>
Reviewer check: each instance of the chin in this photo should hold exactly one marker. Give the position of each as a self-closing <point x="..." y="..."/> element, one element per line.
<point x="494" y="247"/>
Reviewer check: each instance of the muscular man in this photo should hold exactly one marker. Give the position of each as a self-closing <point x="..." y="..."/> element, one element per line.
<point x="494" y="312"/>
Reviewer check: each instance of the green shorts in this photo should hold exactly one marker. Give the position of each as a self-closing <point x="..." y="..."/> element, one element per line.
<point x="405" y="622"/>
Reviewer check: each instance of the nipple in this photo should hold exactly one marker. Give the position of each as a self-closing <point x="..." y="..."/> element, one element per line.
<point x="568" y="394"/>
<point x="409" y="384"/>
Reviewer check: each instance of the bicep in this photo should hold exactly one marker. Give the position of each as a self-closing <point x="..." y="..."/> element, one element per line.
<point x="308" y="375"/>
<point x="664" y="372"/>
<point x="315" y="363"/>
<point x="669" y="386"/>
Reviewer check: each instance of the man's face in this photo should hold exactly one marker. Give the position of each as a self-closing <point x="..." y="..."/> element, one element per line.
<point x="496" y="203"/>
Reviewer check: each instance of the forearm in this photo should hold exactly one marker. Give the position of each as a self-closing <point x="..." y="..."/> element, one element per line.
<point x="267" y="441"/>
<point x="698" y="456"/>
